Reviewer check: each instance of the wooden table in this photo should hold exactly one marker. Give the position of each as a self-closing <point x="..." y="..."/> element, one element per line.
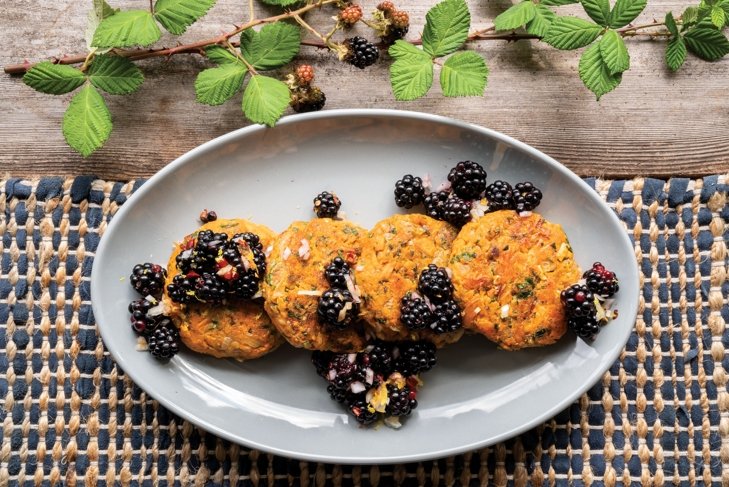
<point x="655" y="124"/>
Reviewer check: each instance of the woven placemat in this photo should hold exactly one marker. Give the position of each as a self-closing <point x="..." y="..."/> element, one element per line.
<point x="659" y="416"/>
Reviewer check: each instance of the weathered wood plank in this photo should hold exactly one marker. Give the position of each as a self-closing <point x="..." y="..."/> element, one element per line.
<point x="655" y="124"/>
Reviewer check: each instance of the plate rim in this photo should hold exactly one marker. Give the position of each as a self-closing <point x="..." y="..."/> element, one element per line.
<point x="631" y="302"/>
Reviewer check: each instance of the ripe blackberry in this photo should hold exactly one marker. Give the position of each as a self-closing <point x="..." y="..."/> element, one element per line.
<point x="304" y="75"/>
<point x="378" y="356"/>
<point x="360" y="52"/>
<point x="400" y="402"/>
<point x="184" y="261"/>
<point x="208" y="248"/>
<point x="500" y="196"/>
<point x="336" y="273"/>
<point x="448" y="317"/>
<point x="585" y="327"/>
<point x="246" y="285"/>
<point x="337" y="309"/>
<point x="601" y="281"/>
<point x="386" y="6"/>
<point x="326" y="205"/>
<point x="141" y="323"/>
<point x="362" y="411"/>
<point x="241" y="243"/>
<point x="468" y="179"/>
<point x="307" y="99"/>
<point x="350" y="14"/>
<point x="435" y="283"/>
<point x="182" y="288"/>
<point x="409" y="191"/>
<point x="578" y="301"/>
<point x="345" y="370"/>
<point x="148" y="279"/>
<point x="415" y="314"/>
<point x="456" y="211"/>
<point x="339" y="395"/>
<point x="435" y="204"/>
<point x="162" y="343"/>
<point x="414" y="357"/>
<point x="526" y="197"/>
<point x="210" y="288"/>
<point x="321" y="360"/>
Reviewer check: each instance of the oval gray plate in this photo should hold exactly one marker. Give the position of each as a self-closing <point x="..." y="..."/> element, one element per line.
<point x="476" y="396"/>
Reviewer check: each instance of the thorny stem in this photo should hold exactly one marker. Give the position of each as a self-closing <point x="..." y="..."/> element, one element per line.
<point x="486" y="34"/>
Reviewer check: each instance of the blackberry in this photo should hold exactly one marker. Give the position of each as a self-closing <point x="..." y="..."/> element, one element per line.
<point x="578" y="301"/>
<point x="148" y="279"/>
<point x="393" y="34"/>
<point x="435" y="283"/>
<point x="585" y="327"/>
<point x="339" y="395"/>
<point x="326" y="205"/>
<point x="448" y="317"/>
<point x="400" y="402"/>
<point x="321" y="360"/>
<point x="414" y="357"/>
<point x="241" y="242"/>
<point x="409" y="191"/>
<point x="435" y="204"/>
<point x="246" y="285"/>
<point x="210" y="288"/>
<point x="184" y="261"/>
<point x="162" y="343"/>
<point x="415" y="314"/>
<point x="363" y="411"/>
<point x="345" y="370"/>
<point x="141" y="323"/>
<point x="337" y="309"/>
<point x="526" y="197"/>
<point x="601" y="281"/>
<point x="378" y="357"/>
<point x="360" y="52"/>
<point x="386" y="6"/>
<point x="456" y="211"/>
<point x="208" y="248"/>
<point x="307" y="99"/>
<point x="500" y="196"/>
<point x="336" y="273"/>
<point x="304" y="75"/>
<point x="182" y="288"/>
<point x="468" y="179"/>
<point x="350" y="14"/>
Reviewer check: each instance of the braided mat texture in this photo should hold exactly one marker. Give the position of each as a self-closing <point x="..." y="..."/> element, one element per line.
<point x="70" y="416"/>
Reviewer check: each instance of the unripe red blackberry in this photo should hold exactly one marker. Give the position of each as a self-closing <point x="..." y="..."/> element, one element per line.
<point x="386" y="6"/>
<point x="350" y="15"/>
<point x="304" y="75"/>
<point x="400" y="19"/>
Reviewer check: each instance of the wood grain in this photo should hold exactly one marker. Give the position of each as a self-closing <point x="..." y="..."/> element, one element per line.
<point x="655" y="124"/>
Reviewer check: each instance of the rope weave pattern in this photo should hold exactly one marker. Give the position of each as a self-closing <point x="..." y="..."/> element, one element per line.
<point x="70" y="416"/>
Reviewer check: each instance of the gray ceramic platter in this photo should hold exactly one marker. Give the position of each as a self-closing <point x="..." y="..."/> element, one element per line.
<point x="475" y="396"/>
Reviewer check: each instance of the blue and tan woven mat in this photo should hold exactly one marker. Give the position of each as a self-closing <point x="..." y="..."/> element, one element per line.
<point x="70" y="416"/>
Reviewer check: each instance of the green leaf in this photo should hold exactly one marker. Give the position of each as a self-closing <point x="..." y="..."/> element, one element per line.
<point x="220" y="55"/>
<point x="625" y="11"/>
<point x="114" y="74"/>
<point x="571" y="33"/>
<point x="127" y="28"/>
<point x="464" y="74"/>
<point x="614" y="52"/>
<point x="675" y="53"/>
<point x="515" y="16"/>
<point x="401" y="49"/>
<point x="281" y="3"/>
<point x="54" y="79"/>
<point x="265" y="99"/>
<point x="215" y="86"/>
<point x="557" y="3"/>
<point x="99" y="11"/>
<point x="273" y="46"/>
<point x="706" y="42"/>
<point x="103" y="9"/>
<point x="671" y="24"/>
<point x="411" y="76"/>
<point x="446" y="27"/>
<point x="177" y="15"/>
<point x="718" y="17"/>
<point x="690" y="15"/>
<point x="87" y="121"/>
<point x="598" y="10"/>
<point x="541" y="22"/>
<point x="595" y="73"/>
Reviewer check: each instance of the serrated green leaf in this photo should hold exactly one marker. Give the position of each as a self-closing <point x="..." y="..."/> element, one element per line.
<point x="464" y="74"/>
<point x="515" y="16"/>
<point x="220" y="55"/>
<point x="99" y="11"/>
<point x="571" y="33"/>
<point x="613" y="52"/>
<point x="54" y="79"/>
<point x="671" y="24"/>
<point x="411" y="76"/>
<point x="281" y="3"/>
<point x="401" y="49"/>
<point x="595" y="73"/>
<point x="114" y="74"/>
<point x="598" y="10"/>
<point x="557" y="3"/>
<point x="675" y="53"/>
<point x="541" y="22"/>
<point x="446" y="27"/>
<point x="706" y="42"/>
<point x="625" y="11"/>
<point x="690" y="16"/>
<point x="215" y="86"/>
<point x="177" y="15"/>
<point x="265" y="99"/>
<point x="718" y="17"/>
<point x="87" y="121"/>
<point x="725" y="6"/>
<point x="273" y="46"/>
<point x="127" y="28"/>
